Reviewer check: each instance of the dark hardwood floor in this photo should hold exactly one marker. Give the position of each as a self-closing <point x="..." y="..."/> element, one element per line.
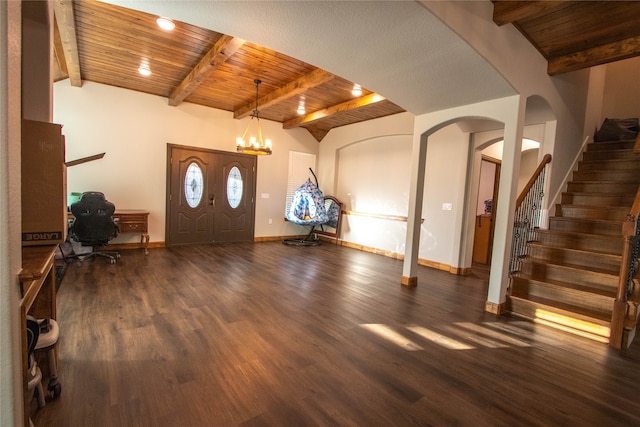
<point x="271" y="335"/>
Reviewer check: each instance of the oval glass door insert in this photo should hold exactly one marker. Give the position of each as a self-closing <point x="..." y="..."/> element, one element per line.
<point x="234" y="187"/>
<point x="193" y="185"/>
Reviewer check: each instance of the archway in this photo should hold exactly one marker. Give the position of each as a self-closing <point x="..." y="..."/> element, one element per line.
<point x="507" y="118"/>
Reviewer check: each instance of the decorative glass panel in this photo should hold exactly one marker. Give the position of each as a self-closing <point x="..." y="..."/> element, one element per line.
<point x="193" y="185"/>
<point x="234" y="187"/>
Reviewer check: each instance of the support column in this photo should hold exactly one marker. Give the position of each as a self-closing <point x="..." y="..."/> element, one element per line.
<point x="499" y="275"/>
<point x="414" y="216"/>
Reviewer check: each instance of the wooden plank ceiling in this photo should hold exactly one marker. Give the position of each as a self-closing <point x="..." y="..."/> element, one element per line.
<point x="106" y="44"/>
<point x="572" y="35"/>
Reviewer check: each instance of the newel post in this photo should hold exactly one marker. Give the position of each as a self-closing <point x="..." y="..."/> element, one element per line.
<point x="620" y="306"/>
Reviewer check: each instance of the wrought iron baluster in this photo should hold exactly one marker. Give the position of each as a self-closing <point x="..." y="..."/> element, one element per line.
<point x="527" y="216"/>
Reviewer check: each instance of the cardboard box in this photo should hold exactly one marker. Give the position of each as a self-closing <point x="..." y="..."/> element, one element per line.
<point x="44" y="184"/>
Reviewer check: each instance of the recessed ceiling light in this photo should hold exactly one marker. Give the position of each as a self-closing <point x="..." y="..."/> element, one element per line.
<point x="165" y="23"/>
<point x="301" y="109"/>
<point x="357" y="90"/>
<point x="144" y="70"/>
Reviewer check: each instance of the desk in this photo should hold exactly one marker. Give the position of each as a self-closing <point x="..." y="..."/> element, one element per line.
<point x="134" y="221"/>
<point x="38" y="287"/>
<point x="131" y="221"/>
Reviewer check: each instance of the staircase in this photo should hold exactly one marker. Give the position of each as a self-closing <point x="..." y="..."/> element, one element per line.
<point x="569" y="276"/>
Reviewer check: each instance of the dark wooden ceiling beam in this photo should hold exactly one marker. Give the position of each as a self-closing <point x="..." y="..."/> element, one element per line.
<point x="508" y="11"/>
<point x="595" y="56"/>
<point x="294" y="88"/>
<point x="221" y="51"/>
<point x="352" y="104"/>
<point x="63" y="10"/>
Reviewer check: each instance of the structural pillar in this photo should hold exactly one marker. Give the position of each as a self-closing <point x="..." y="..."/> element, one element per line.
<point x="416" y="192"/>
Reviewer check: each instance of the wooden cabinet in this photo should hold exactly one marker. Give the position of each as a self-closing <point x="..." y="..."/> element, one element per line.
<point x="482" y="239"/>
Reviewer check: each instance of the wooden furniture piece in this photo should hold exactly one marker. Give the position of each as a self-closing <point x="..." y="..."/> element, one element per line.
<point x="332" y="229"/>
<point x="38" y="288"/>
<point x="134" y="221"/>
<point x="481" y="239"/>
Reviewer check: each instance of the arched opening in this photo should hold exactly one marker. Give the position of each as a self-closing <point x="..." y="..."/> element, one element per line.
<point x="482" y="206"/>
<point x="510" y="119"/>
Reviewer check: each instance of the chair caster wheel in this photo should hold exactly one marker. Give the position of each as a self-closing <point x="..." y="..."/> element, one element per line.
<point x="113" y="261"/>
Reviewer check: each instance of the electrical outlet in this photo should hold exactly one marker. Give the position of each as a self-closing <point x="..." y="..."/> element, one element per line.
<point x="447" y="206"/>
<point x="270" y="221"/>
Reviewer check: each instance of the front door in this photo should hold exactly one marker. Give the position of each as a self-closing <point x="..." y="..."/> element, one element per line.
<point x="210" y="196"/>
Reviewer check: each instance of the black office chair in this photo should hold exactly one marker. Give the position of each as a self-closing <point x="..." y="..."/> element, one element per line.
<point x="94" y="225"/>
<point x="34" y="375"/>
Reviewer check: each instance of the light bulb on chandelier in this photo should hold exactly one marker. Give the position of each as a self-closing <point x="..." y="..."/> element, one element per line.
<point x="255" y="145"/>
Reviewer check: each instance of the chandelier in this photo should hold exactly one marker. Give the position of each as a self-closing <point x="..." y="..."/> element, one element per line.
<point x="255" y="145"/>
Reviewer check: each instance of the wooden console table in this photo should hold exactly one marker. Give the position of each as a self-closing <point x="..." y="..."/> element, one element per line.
<point x="134" y="221"/>
<point x="38" y="288"/>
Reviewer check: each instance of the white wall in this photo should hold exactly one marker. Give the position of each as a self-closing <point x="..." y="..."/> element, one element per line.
<point x="133" y="129"/>
<point x="10" y="215"/>
<point x="366" y="166"/>
<point x="371" y="165"/>
<point x="444" y="184"/>
<point x="372" y="179"/>
<point x="622" y="89"/>
<point x="37" y="64"/>
<point x="528" y="164"/>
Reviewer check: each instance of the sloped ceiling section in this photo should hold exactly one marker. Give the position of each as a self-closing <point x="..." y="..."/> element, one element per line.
<point x="396" y="49"/>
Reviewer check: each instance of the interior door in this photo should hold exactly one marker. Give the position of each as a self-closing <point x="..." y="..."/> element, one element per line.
<point x="202" y="207"/>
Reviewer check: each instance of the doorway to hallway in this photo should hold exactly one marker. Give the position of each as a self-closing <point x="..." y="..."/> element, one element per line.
<point x="485" y="208"/>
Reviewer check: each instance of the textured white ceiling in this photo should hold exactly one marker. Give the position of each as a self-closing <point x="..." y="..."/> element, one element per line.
<point x="395" y="48"/>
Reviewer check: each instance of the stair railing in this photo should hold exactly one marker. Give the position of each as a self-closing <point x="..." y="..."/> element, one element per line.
<point x="628" y="271"/>
<point x="527" y="215"/>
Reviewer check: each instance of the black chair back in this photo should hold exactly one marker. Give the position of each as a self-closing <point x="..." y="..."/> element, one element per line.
<point x="93" y="224"/>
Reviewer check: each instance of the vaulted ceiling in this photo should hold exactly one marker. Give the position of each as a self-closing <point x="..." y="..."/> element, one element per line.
<point x="105" y="43"/>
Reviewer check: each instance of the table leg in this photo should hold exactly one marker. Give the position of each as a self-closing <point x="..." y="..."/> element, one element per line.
<point x="144" y="242"/>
